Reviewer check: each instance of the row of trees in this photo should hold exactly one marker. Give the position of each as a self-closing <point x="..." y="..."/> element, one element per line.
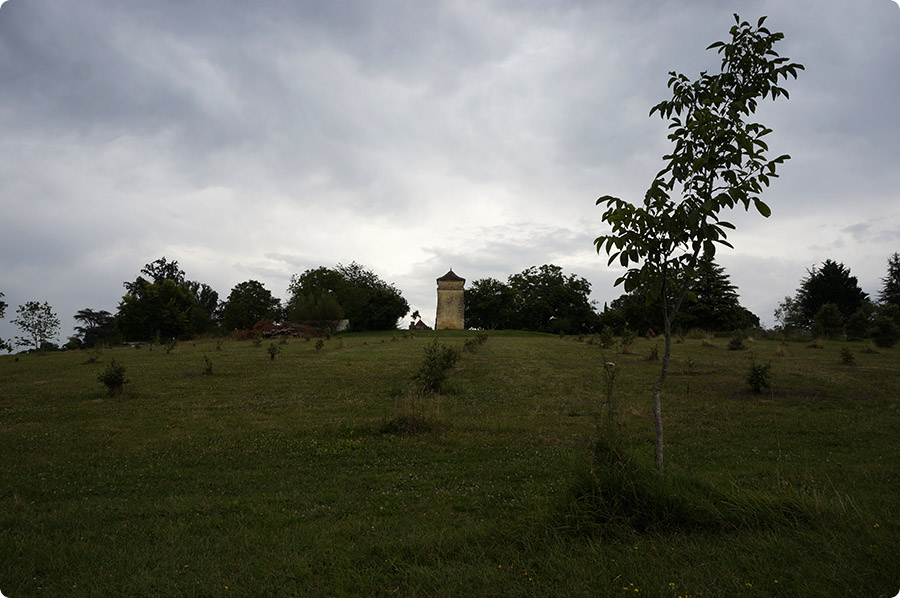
<point x="166" y="304"/>
<point x="830" y="303"/>
<point x="162" y="303"/>
<point x="545" y="299"/>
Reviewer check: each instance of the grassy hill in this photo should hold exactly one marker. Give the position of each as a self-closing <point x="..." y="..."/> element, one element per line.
<point x="277" y="478"/>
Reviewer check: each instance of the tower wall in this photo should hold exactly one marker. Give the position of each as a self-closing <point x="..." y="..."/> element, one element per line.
<point x="450" y="305"/>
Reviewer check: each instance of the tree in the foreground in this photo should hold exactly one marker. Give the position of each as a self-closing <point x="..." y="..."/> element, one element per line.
<point x="718" y="162"/>
<point x="890" y="290"/>
<point x="830" y="283"/>
<point x="38" y="322"/>
<point x="248" y="303"/>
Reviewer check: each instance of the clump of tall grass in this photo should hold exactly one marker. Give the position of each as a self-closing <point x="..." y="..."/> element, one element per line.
<point x="436" y="364"/>
<point x="470" y="345"/>
<point x="616" y="492"/>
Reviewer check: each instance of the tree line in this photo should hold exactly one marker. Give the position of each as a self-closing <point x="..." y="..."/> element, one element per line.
<point x="162" y="303"/>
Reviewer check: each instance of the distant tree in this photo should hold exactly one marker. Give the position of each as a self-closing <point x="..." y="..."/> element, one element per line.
<point x="163" y="309"/>
<point x="366" y="300"/>
<point x="549" y="301"/>
<point x="712" y="303"/>
<point x="830" y="283"/>
<point x="38" y="322"/>
<point x="3" y="343"/>
<point x="166" y="302"/>
<point x="828" y="321"/>
<point x="718" y="162"/>
<point x="788" y="315"/>
<point x="890" y="291"/>
<point x="490" y="304"/>
<point x="95" y="327"/>
<point x="248" y="303"/>
<point x="859" y="324"/>
<point x="315" y="307"/>
<point x="207" y="311"/>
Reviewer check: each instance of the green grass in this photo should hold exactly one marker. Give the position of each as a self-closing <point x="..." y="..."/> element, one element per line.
<point x="275" y="477"/>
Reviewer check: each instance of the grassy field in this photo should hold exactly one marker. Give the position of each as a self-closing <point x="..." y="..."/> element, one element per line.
<point x="275" y="477"/>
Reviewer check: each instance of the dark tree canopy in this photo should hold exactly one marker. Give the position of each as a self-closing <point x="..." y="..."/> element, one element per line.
<point x="366" y="300"/>
<point x="890" y="290"/>
<point x="712" y="304"/>
<point x="830" y="283"/>
<point x="549" y="301"/>
<point x="543" y="299"/>
<point x="3" y="343"/>
<point x="490" y="304"/>
<point x="248" y="303"/>
<point x="163" y="310"/>
<point x="167" y="304"/>
<point x="95" y="327"/>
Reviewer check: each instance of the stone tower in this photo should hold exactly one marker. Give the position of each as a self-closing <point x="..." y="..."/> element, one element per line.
<point x="450" y="307"/>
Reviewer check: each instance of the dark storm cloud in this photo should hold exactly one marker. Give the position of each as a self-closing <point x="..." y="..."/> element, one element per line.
<point x="255" y="140"/>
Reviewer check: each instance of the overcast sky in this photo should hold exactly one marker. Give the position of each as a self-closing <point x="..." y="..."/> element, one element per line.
<point x="255" y="140"/>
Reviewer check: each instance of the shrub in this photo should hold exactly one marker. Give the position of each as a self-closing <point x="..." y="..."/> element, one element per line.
<point x="759" y="377"/>
<point x="437" y="363"/>
<point x="207" y="366"/>
<point x="627" y="339"/>
<point x="320" y="344"/>
<point x="170" y="344"/>
<point x="653" y="354"/>
<point x="607" y="337"/>
<point x="470" y="345"/>
<point x="737" y="341"/>
<point x="113" y="377"/>
<point x="885" y="332"/>
<point x="273" y="350"/>
<point x="847" y="357"/>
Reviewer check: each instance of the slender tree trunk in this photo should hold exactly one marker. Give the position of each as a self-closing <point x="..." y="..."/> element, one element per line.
<point x="657" y="391"/>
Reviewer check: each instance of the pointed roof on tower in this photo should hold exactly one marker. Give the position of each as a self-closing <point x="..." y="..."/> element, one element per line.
<point x="451" y="276"/>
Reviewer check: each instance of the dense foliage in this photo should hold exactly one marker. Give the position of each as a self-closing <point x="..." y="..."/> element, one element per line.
<point x="94" y="327"/>
<point x="365" y="299"/>
<point x="712" y="304"/>
<point x="166" y="305"/>
<point x="543" y="299"/>
<point x="248" y="303"/>
<point x="829" y="283"/>
<point x="890" y="290"/>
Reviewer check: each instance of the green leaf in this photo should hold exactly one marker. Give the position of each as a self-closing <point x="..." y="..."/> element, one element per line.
<point x="762" y="208"/>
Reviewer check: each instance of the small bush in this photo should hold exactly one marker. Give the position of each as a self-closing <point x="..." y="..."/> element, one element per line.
<point x="320" y="344"/>
<point x="170" y="344"/>
<point x="759" y="377"/>
<point x="207" y="366"/>
<point x="607" y="338"/>
<point x="737" y="341"/>
<point x="436" y="365"/>
<point x="847" y="357"/>
<point x="885" y="332"/>
<point x="653" y="354"/>
<point x="113" y="377"/>
<point x="470" y="345"/>
<point x="273" y="350"/>
<point x="627" y="340"/>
